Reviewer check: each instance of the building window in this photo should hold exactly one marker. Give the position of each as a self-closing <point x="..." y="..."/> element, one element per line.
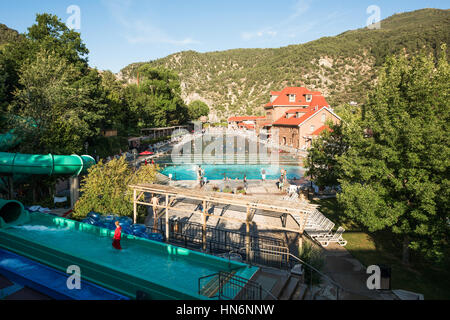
<point x="324" y="118"/>
<point x="308" y="98"/>
<point x="312" y="128"/>
<point x="292" y="98"/>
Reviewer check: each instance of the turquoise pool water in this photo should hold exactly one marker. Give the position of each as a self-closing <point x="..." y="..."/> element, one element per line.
<point x="236" y="156"/>
<point x="233" y="171"/>
<point x="166" y="265"/>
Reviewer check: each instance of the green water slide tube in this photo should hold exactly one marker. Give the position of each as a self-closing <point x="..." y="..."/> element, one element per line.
<point x="12" y="213"/>
<point x="33" y="164"/>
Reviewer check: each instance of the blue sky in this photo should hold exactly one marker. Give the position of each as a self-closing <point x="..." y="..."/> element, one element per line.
<point x="119" y="32"/>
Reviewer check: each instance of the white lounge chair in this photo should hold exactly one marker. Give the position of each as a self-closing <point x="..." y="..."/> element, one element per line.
<point x="337" y="238"/>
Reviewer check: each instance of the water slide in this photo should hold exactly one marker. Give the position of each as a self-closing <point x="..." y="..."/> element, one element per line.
<point x="21" y="166"/>
<point x="18" y="165"/>
<point x="33" y="164"/>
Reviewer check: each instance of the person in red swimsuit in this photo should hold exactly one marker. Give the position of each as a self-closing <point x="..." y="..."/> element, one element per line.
<point x="117" y="236"/>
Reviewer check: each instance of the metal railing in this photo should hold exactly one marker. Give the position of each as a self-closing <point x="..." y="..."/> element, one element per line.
<point x="289" y="260"/>
<point x="218" y="240"/>
<point x="228" y="286"/>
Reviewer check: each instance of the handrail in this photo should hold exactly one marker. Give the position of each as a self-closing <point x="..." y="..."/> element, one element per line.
<point x="305" y="263"/>
<point x="322" y="274"/>
<point x="235" y="277"/>
<point x="266" y="291"/>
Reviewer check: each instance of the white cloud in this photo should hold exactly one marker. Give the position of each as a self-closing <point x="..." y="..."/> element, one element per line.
<point x="288" y="25"/>
<point x="138" y="31"/>
<point x="258" y="34"/>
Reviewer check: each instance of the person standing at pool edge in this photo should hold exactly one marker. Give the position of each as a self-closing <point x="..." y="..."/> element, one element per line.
<point x="117" y="237"/>
<point x="155" y="204"/>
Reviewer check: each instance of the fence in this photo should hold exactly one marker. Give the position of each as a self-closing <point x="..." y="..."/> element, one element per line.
<point x="227" y="286"/>
<point x="221" y="241"/>
<point x="264" y="251"/>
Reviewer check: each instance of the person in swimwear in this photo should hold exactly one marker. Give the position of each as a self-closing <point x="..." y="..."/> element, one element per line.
<point x="117" y="236"/>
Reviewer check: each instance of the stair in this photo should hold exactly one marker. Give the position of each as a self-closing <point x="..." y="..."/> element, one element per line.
<point x="279" y="286"/>
<point x="212" y="287"/>
<point x="271" y="280"/>
<point x="289" y="288"/>
<point x="300" y="292"/>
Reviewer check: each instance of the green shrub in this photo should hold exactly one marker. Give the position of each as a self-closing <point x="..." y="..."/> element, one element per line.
<point x="105" y="189"/>
<point x="313" y="257"/>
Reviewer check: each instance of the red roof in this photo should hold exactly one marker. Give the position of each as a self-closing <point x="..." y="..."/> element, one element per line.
<point x="320" y="130"/>
<point x="248" y="126"/>
<point x="301" y="110"/>
<point x="300" y="99"/>
<point x="293" y="121"/>
<point x="245" y="118"/>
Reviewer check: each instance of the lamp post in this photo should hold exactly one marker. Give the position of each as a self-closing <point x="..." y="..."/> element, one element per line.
<point x="134" y="163"/>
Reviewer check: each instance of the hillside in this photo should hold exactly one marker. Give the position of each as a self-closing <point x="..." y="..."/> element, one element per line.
<point x="7" y="35"/>
<point x="342" y="67"/>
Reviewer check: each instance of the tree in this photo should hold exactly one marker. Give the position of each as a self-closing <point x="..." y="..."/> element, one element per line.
<point x="105" y="188"/>
<point x="198" y="109"/>
<point x="157" y="101"/>
<point x="51" y="33"/>
<point x="322" y="161"/>
<point x="51" y="106"/>
<point x="117" y="112"/>
<point x="3" y="84"/>
<point x="395" y="171"/>
<point x="48" y="33"/>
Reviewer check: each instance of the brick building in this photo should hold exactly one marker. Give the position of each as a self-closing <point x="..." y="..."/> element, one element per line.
<point x="297" y="114"/>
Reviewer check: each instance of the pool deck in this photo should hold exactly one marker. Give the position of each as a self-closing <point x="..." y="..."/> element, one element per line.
<point x="257" y="189"/>
<point x="340" y="265"/>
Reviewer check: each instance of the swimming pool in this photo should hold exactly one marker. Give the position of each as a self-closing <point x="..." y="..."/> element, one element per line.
<point x="160" y="270"/>
<point x="232" y="157"/>
<point x="219" y="171"/>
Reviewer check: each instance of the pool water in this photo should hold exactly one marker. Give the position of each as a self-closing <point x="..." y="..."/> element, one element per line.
<point x="219" y="171"/>
<point x="234" y="160"/>
<point x="169" y="266"/>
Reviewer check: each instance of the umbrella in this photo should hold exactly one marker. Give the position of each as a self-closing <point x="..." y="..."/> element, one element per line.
<point x="145" y="153"/>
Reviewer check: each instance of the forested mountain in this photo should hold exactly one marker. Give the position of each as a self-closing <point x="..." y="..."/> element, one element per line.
<point x="342" y="67"/>
<point x="7" y="35"/>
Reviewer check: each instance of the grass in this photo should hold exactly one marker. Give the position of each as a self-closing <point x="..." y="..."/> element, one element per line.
<point x="383" y="247"/>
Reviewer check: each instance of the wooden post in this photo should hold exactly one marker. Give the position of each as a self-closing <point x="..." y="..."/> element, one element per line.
<point x="134" y="206"/>
<point x="74" y="191"/>
<point x="167" y="217"/>
<point x="300" y="243"/>
<point x="247" y="236"/>
<point x="204" y="226"/>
